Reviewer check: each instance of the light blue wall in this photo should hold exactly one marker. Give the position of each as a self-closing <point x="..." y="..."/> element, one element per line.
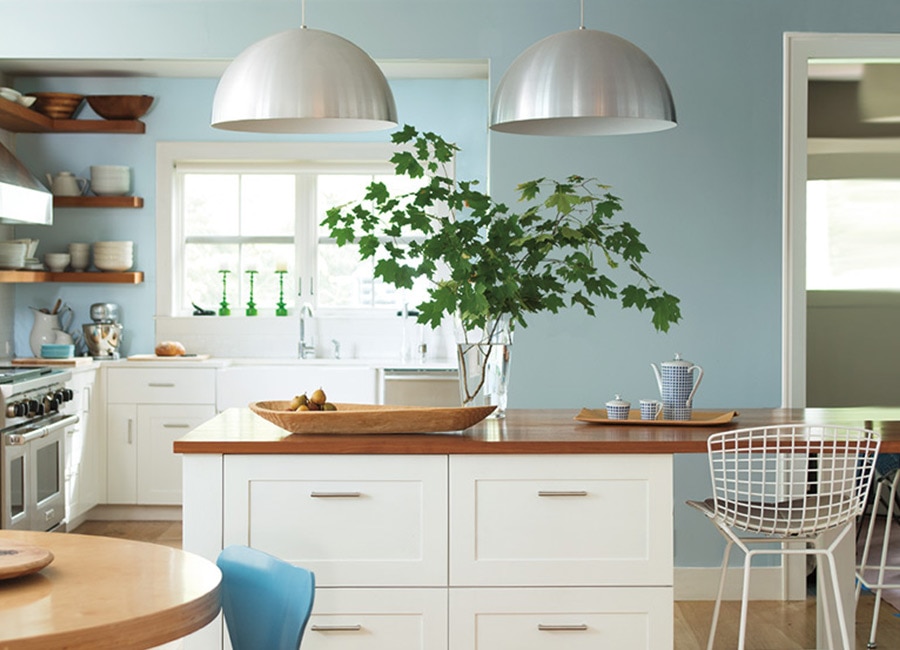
<point x="706" y="195"/>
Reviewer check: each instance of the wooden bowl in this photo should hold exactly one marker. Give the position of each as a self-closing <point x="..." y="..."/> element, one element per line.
<point x="59" y="106"/>
<point x="372" y="418"/>
<point x="120" y="107"/>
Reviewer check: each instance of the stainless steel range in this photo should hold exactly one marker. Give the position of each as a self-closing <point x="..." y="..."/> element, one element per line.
<point x="32" y="447"/>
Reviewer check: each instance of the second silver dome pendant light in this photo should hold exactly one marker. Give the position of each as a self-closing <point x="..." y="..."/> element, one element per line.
<point x="582" y="82"/>
<point x="303" y="81"/>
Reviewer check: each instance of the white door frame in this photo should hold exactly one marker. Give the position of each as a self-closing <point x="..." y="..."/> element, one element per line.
<point x="799" y="49"/>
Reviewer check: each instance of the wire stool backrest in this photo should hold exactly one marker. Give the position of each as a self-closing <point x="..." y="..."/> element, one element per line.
<point x="791" y="479"/>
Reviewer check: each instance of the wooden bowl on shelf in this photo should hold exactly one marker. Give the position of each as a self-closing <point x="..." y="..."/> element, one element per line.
<point x="120" y="107"/>
<point x="59" y="106"/>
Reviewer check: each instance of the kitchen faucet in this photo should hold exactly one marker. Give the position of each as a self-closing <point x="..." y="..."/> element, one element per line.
<point x="307" y="346"/>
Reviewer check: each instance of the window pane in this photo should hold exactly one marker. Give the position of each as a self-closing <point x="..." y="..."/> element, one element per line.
<point x="267" y="204"/>
<point x="338" y="189"/>
<point x="264" y="258"/>
<point x="853" y="234"/>
<point x="210" y="204"/>
<point x="202" y="280"/>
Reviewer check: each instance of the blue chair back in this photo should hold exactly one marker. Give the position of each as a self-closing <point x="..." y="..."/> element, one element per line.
<point x="265" y="600"/>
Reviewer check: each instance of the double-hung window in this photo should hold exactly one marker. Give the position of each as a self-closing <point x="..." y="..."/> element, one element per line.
<point x="239" y="213"/>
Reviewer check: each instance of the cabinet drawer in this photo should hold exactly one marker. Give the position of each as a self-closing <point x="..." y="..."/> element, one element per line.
<point x="161" y="385"/>
<point x="586" y="618"/>
<point x="378" y="619"/>
<point x="590" y="520"/>
<point x="354" y="520"/>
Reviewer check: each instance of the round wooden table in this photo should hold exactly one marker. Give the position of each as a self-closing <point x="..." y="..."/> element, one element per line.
<point x="100" y="592"/>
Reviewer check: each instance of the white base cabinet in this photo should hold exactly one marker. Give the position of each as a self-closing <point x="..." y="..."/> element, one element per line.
<point x="147" y="410"/>
<point x="84" y="448"/>
<point x="545" y="551"/>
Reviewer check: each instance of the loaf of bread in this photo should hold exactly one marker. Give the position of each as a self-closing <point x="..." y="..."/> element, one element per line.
<point x="170" y="349"/>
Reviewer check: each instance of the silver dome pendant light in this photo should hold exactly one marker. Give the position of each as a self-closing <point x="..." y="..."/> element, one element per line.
<point x="303" y="81"/>
<point x="582" y="82"/>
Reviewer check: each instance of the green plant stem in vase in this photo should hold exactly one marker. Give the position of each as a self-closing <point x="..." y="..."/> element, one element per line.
<point x="251" y="306"/>
<point x="490" y="265"/>
<point x="281" y="306"/>
<point x="223" y="306"/>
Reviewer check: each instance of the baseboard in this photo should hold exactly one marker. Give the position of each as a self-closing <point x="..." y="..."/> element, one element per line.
<point x="134" y="513"/>
<point x="701" y="583"/>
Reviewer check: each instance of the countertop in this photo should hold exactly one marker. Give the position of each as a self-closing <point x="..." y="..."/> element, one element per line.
<point x="523" y="431"/>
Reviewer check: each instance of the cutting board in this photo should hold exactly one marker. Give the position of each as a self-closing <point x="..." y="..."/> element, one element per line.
<point x="19" y="559"/>
<point x="72" y="361"/>
<point x="154" y="357"/>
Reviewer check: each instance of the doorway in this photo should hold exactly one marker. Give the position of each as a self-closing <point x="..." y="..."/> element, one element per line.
<point x="799" y="51"/>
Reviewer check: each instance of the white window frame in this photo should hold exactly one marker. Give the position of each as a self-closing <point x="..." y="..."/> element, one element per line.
<point x="169" y="233"/>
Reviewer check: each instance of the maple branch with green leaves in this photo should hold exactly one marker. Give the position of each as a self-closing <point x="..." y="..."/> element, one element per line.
<point x="485" y="260"/>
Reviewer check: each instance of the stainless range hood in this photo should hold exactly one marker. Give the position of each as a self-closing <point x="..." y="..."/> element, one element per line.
<point x="23" y="198"/>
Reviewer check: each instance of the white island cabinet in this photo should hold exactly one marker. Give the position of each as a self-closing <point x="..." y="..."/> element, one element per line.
<point x="440" y="550"/>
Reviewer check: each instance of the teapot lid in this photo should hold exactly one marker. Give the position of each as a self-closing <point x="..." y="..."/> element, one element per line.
<point x="677" y="362"/>
<point x="618" y="401"/>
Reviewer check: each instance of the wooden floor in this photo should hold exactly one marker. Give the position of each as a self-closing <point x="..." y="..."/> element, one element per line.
<point x="772" y="625"/>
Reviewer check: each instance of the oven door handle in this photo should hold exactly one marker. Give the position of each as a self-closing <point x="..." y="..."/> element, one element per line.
<point x="14" y="439"/>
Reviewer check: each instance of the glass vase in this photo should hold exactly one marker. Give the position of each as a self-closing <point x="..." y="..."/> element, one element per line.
<point x="483" y="359"/>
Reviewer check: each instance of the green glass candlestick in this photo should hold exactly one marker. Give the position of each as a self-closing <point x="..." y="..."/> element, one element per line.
<point x="281" y="306"/>
<point x="251" y="306"/>
<point x="223" y="306"/>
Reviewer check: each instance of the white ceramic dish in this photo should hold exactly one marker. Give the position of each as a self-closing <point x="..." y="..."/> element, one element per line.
<point x="10" y="94"/>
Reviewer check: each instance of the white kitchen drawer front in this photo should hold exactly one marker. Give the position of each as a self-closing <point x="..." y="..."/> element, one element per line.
<point x="378" y="619"/>
<point x="579" y="618"/>
<point x="354" y="520"/>
<point x="551" y="520"/>
<point x="161" y="385"/>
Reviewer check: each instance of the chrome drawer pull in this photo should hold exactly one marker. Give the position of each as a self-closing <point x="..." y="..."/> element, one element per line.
<point x="176" y="426"/>
<point x="335" y="628"/>
<point x="562" y="628"/>
<point x="562" y="493"/>
<point x="334" y="495"/>
<point x="160" y="385"/>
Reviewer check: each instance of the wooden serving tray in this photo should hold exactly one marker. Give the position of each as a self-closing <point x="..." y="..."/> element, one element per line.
<point x="20" y="559"/>
<point x="371" y="418"/>
<point x="698" y="418"/>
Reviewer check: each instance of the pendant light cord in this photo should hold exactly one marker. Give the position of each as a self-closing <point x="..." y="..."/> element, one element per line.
<point x="303" y="13"/>
<point x="582" y="14"/>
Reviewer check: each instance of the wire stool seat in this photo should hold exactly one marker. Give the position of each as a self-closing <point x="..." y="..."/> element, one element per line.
<point x="787" y="483"/>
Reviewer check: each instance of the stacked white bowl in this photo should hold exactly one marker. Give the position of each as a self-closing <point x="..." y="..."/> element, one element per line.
<point x="113" y="255"/>
<point x="12" y="254"/>
<point x="81" y="255"/>
<point x="110" y="180"/>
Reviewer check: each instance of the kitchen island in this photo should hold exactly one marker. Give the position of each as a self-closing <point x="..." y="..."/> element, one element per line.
<point x="528" y="532"/>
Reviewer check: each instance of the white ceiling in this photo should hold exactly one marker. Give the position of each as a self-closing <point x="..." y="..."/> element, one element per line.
<point x="213" y="68"/>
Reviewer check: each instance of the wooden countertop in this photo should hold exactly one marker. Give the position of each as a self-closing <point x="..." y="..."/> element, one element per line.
<point x="100" y="592"/>
<point x="548" y="431"/>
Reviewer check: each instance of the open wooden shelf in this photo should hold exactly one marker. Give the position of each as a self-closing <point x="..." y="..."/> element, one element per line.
<point x="98" y="202"/>
<point x="18" y="119"/>
<point x="85" y="277"/>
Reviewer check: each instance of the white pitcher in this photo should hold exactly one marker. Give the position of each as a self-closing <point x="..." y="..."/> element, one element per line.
<point x="46" y="326"/>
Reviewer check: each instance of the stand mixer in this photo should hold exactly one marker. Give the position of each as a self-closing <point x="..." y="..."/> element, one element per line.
<point x="104" y="335"/>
